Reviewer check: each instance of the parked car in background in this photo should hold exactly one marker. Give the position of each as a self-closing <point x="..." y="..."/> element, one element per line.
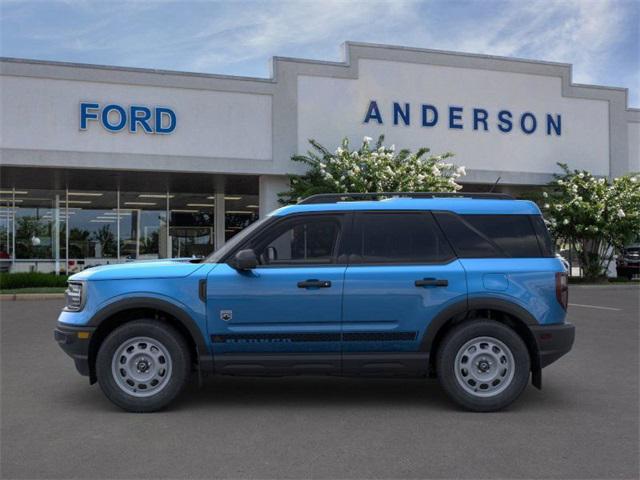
<point x="628" y="262"/>
<point x="5" y="261"/>
<point x="462" y="287"/>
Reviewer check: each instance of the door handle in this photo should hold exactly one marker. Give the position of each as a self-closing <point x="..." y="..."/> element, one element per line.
<point x="314" y="284"/>
<point x="432" y="282"/>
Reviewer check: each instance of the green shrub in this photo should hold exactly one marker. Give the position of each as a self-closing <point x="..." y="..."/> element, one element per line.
<point x="31" y="279"/>
<point x="371" y="168"/>
<point x="596" y="216"/>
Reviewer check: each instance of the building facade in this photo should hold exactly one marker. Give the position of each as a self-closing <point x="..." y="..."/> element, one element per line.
<point x="107" y="164"/>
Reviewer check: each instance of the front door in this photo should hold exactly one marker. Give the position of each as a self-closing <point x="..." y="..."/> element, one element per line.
<point x="402" y="273"/>
<point x="284" y="315"/>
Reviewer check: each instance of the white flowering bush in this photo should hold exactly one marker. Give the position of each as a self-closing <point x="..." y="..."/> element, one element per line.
<point x="595" y="216"/>
<point x="371" y="168"/>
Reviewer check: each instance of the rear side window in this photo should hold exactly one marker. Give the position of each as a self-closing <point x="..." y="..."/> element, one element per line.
<point x="487" y="236"/>
<point x="514" y="234"/>
<point x="398" y="237"/>
<point x="467" y="241"/>
<point x="544" y="239"/>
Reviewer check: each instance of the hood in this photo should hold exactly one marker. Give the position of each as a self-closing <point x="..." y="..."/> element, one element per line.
<point x="175" y="268"/>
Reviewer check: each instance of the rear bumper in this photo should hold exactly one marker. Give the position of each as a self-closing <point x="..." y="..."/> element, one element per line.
<point x="75" y="343"/>
<point x="553" y="341"/>
<point x="628" y="269"/>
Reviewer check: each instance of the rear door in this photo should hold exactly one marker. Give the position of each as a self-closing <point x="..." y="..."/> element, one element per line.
<point x="402" y="272"/>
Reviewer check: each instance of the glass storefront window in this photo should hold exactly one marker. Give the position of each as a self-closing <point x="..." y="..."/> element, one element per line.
<point x="192" y="226"/>
<point x="240" y="212"/>
<point x="92" y="228"/>
<point x="38" y="224"/>
<point x="143" y="225"/>
<point x="6" y="229"/>
<point x="67" y="231"/>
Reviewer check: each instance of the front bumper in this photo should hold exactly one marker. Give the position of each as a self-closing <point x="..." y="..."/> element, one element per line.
<point x="75" y="343"/>
<point x="553" y="341"/>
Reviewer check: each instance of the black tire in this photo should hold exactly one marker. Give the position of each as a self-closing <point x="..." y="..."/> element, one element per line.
<point x="180" y="361"/>
<point x="456" y="339"/>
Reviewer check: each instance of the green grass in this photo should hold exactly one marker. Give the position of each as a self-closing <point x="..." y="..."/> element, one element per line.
<point x="33" y="290"/>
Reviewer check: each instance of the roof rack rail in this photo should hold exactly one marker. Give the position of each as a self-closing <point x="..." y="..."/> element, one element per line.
<point x="343" y="197"/>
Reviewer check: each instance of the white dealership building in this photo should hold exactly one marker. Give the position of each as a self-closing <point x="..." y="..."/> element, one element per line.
<point x="103" y="164"/>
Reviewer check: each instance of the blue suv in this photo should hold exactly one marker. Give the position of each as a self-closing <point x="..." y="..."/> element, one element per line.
<point x="462" y="287"/>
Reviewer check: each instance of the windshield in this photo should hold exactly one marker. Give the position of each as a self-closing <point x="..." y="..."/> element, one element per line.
<point x="216" y="256"/>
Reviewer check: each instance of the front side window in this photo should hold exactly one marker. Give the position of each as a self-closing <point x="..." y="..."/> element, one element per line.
<point x="399" y="237"/>
<point x="300" y="241"/>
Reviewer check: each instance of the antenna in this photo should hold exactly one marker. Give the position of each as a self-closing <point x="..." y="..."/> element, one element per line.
<point x="494" y="185"/>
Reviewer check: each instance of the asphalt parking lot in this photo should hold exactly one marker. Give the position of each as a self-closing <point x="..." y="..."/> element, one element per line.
<point x="583" y="424"/>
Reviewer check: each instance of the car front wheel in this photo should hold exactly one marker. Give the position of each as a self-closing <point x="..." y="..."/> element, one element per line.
<point x="143" y="365"/>
<point x="483" y="365"/>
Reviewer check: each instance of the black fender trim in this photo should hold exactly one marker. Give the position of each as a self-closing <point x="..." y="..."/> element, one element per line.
<point x="204" y="360"/>
<point x="484" y="303"/>
<point x="462" y="309"/>
<point x="458" y="309"/>
<point x="529" y="321"/>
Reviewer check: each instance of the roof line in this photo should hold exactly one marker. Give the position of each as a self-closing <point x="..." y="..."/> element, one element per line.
<point x="346" y="62"/>
<point x="459" y="54"/>
<point x="134" y="69"/>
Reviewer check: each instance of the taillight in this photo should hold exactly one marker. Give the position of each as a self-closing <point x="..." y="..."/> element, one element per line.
<point x="562" y="289"/>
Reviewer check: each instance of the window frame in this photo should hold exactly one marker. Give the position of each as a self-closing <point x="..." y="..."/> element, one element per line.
<point x="355" y="231"/>
<point x="281" y="224"/>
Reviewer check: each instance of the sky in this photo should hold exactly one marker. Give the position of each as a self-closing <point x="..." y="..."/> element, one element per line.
<point x="601" y="38"/>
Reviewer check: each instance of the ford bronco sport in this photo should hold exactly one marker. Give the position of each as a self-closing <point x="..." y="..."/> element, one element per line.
<point x="462" y="287"/>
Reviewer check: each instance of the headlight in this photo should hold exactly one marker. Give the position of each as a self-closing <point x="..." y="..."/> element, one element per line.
<point x="74" y="296"/>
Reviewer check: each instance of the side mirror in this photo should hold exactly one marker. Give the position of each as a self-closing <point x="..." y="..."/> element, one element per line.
<point x="245" y="260"/>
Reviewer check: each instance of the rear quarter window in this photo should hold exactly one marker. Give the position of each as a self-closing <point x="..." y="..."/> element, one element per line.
<point x="544" y="238"/>
<point x="492" y="236"/>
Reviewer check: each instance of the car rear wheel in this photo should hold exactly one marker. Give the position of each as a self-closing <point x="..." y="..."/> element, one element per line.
<point x="143" y="365"/>
<point x="483" y="365"/>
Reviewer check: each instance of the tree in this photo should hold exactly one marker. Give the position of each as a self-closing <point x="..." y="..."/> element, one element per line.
<point x="28" y="228"/>
<point x="595" y="216"/>
<point x="78" y="242"/>
<point x="371" y="169"/>
<point x="105" y="237"/>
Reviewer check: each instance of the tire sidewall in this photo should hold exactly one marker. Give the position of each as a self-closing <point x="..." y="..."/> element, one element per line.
<point x="176" y="347"/>
<point x="468" y="331"/>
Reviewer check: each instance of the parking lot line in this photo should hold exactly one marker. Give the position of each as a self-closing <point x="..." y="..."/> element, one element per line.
<point x="594" y="306"/>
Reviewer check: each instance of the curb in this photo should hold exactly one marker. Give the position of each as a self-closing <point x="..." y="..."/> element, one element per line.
<point x="31" y="296"/>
